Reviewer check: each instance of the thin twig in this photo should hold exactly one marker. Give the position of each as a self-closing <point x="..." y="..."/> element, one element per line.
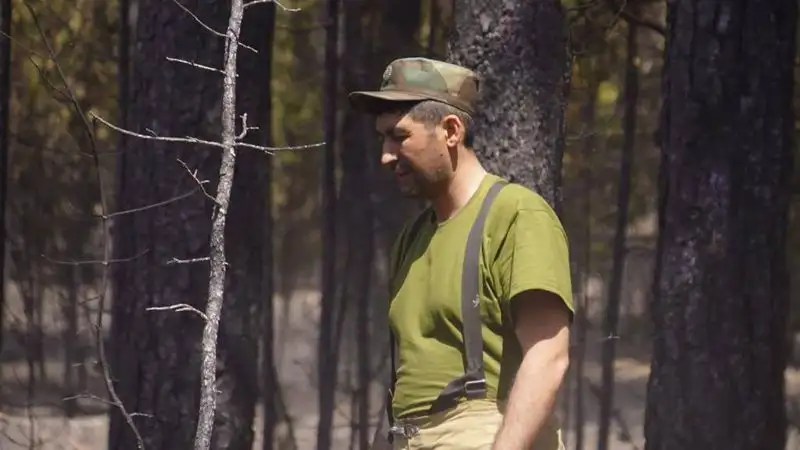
<point x="277" y="2"/>
<point x="200" y="183"/>
<point x="87" y="262"/>
<point x="194" y="64"/>
<point x="207" y="27"/>
<point x="151" y="206"/>
<point x="185" y="140"/>
<point x="188" y="261"/>
<point x="101" y="356"/>
<point x="193" y="140"/>
<point x="180" y="307"/>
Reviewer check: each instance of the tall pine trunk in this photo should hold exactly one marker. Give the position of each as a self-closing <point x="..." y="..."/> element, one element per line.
<point x="327" y="361"/>
<point x="519" y="48"/>
<point x="721" y="286"/>
<point x="358" y="214"/>
<point x="155" y="354"/>
<point x="5" y="98"/>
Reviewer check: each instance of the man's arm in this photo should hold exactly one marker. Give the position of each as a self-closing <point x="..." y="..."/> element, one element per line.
<point x="541" y="322"/>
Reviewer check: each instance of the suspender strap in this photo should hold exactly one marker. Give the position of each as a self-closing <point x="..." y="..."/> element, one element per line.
<point x="473" y="383"/>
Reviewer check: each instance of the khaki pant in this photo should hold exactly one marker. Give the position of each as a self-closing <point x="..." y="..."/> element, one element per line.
<point x="472" y="425"/>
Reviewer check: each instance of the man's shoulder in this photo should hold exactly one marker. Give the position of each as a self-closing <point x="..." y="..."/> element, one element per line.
<point x="515" y="197"/>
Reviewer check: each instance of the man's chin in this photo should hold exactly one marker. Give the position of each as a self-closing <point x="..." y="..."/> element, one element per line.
<point x="409" y="191"/>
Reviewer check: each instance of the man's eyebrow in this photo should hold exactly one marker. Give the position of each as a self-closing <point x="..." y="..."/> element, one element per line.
<point x="387" y="130"/>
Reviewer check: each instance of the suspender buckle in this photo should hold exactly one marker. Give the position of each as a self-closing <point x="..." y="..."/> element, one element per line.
<point x="475" y="388"/>
<point x="405" y="430"/>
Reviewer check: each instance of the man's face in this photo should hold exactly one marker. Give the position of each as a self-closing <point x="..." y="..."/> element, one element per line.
<point x="418" y="155"/>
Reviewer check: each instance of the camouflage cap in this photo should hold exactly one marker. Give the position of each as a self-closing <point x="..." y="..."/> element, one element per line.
<point x="414" y="79"/>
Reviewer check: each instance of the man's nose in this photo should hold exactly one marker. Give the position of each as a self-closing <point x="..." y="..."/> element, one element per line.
<point x="387" y="157"/>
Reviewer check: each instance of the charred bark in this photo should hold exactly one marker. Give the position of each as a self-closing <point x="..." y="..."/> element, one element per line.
<point x="156" y="354"/>
<point x="520" y="51"/>
<point x="721" y="288"/>
<point x="5" y="98"/>
<point x="358" y="214"/>
<point x="327" y="375"/>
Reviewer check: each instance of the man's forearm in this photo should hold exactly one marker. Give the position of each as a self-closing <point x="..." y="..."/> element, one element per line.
<point x="531" y="401"/>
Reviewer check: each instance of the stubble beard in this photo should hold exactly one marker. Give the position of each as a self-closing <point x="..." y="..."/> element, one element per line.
<point x="423" y="186"/>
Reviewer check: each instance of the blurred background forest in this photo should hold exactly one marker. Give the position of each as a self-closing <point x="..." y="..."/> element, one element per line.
<point x="303" y="341"/>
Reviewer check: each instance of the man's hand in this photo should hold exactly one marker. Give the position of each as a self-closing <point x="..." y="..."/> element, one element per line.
<point x="541" y="323"/>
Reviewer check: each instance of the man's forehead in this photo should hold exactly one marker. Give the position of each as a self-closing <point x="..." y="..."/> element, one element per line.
<point x="388" y="121"/>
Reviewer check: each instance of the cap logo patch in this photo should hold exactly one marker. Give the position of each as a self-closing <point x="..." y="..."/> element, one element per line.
<point x="387" y="75"/>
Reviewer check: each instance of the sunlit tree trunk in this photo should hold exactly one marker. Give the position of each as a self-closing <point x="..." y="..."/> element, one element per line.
<point x="519" y="49"/>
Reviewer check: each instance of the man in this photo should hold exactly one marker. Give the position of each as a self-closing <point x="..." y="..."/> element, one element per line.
<point x="444" y="396"/>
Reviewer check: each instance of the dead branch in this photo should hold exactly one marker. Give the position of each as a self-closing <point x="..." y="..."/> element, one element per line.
<point x="101" y="356"/>
<point x="200" y="183"/>
<point x="216" y="281"/>
<point x="277" y="3"/>
<point x="193" y="140"/>
<point x="151" y="206"/>
<point x="102" y="262"/>
<point x="180" y="307"/>
<point x="194" y="64"/>
<point x="208" y="28"/>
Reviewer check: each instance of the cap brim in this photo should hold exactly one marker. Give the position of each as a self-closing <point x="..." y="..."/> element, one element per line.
<point x="373" y="101"/>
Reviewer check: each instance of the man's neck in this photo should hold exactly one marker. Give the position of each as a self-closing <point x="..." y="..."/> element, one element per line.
<point x="466" y="181"/>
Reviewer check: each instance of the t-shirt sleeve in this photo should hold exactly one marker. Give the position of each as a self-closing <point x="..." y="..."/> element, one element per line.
<point x="534" y="255"/>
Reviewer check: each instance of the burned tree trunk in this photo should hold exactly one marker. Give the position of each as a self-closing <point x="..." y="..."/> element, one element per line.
<point x="164" y="243"/>
<point x="327" y="360"/>
<point x="519" y="49"/>
<point x="5" y="98"/>
<point x="721" y="298"/>
<point x="359" y="242"/>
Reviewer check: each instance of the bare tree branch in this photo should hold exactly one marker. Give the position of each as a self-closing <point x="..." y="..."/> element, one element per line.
<point x="179" y="308"/>
<point x="101" y="356"/>
<point x="151" y="206"/>
<point x="102" y="262"/>
<point x="208" y="28"/>
<point x="194" y="64"/>
<point x="193" y="140"/>
<point x="277" y="3"/>
<point x="188" y="261"/>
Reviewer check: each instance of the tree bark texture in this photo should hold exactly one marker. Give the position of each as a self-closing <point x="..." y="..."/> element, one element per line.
<point x="358" y="213"/>
<point x="519" y="49"/>
<point x="721" y="288"/>
<point x="5" y="98"/>
<point x="156" y="354"/>
<point x="248" y="317"/>
<point x="327" y="357"/>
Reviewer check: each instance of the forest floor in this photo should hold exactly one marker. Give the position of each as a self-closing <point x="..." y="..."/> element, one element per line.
<point x="88" y="431"/>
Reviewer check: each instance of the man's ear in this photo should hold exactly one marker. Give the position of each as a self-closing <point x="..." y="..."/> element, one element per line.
<point x="453" y="130"/>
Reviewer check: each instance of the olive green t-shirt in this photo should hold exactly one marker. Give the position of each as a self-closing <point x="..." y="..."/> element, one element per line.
<point x="524" y="247"/>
